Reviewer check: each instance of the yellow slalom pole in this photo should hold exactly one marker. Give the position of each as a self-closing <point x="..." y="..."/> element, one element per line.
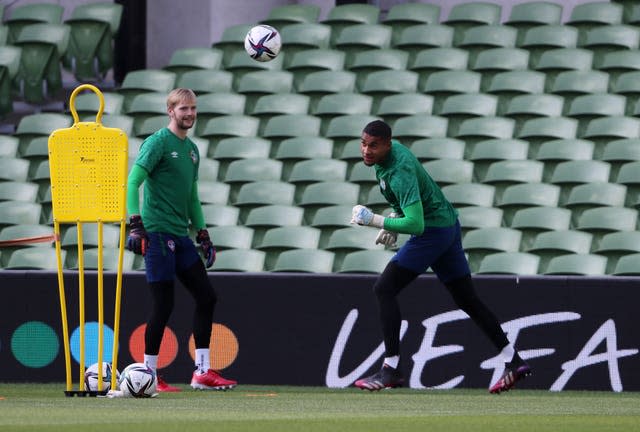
<point x="100" y="306"/>
<point x="81" y="302"/>
<point x="63" y="310"/>
<point x="116" y="314"/>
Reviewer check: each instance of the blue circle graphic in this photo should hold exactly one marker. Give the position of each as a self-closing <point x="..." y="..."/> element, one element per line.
<point x="91" y="343"/>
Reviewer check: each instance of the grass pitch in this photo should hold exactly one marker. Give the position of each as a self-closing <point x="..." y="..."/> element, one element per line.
<point x="43" y="407"/>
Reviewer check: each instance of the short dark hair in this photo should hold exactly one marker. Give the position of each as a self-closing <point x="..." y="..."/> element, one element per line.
<point x="378" y="128"/>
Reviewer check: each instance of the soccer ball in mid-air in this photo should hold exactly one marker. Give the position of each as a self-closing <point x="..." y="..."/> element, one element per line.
<point x="91" y="377"/>
<point x="263" y="43"/>
<point x="138" y="381"/>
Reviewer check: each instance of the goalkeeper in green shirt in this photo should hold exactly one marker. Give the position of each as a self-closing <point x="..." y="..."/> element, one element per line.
<point x="420" y="209"/>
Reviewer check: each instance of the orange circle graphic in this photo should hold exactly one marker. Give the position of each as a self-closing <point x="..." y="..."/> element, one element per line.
<point x="168" y="346"/>
<point x="223" y="347"/>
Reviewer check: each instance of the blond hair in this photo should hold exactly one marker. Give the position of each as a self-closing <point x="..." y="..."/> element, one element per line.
<point x="178" y="95"/>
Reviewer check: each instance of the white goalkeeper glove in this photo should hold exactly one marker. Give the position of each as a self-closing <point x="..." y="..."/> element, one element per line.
<point x="387" y="238"/>
<point x="362" y="215"/>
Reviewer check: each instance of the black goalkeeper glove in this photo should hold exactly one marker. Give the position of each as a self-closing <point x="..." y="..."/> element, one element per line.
<point x="137" y="240"/>
<point x="208" y="251"/>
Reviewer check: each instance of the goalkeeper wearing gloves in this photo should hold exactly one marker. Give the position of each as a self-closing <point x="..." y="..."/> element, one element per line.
<point x="167" y="164"/>
<point x="421" y="210"/>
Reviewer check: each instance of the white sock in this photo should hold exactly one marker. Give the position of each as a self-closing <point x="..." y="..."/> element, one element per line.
<point x="203" y="363"/>
<point x="392" y="361"/>
<point x="151" y="361"/>
<point x="507" y="353"/>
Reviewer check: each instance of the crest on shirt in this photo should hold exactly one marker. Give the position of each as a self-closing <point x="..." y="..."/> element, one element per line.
<point x="171" y="245"/>
<point x="194" y="157"/>
<point x="383" y="185"/>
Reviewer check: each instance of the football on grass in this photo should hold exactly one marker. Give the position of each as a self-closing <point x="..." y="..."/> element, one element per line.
<point x="91" y="377"/>
<point x="263" y="43"/>
<point x="138" y="381"/>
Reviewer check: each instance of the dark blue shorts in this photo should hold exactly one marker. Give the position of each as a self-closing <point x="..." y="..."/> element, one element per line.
<point x="438" y="248"/>
<point x="167" y="255"/>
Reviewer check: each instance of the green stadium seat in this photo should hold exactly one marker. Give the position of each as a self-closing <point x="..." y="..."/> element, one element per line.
<point x="220" y="215"/>
<point x="629" y="176"/>
<point x="213" y="105"/>
<point x="228" y="126"/>
<point x="292" y="150"/>
<point x="531" y="14"/>
<point x="471" y="14"/>
<point x="18" y="191"/>
<point x="9" y="146"/>
<point x="366" y="261"/>
<point x="350" y="239"/>
<point x="555" y="61"/>
<point x="304" y="261"/>
<point x="265" y="217"/>
<point x="286" y="15"/>
<point x="469" y="194"/>
<point x="341" y="16"/>
<point x="420" y="37"/>
<point x="284" y="126"/>
<point x="588" y="107"/>
<point x="232" y="41"/>
<point x="239" y="260"/>
<point x="280" y="239"/>
<point x="532" y="221"/>
<point x="345" y="127"/>
<point x="304" y="37"/>
<point x="360" y="37"/>
<point x="610" y="38"/>
<point x="372" y="60"/>
<point x="337" y="104"/>
<point x="550" y="244"/>
<point x="228" y="150"/>
<point x="322" y="194"/>
<point x="591" y="195"/>
<point x="513" y="263"/>
<point x="34" y="259"/>
<point x="526" y="107"/>
<point x="125" y="123"/>
<point x="260" y="83"/>
<point x="9" y="67"/>
<point x="540" y="130"/>
<point x="478" y="129"/>
<point x="591" y="15"/>
<point x="411" y="128"/>
<point x="561" y="150"/>
<point x="93" y="28"/>
<point x="304" y="62"/>
<point x="13" y="232"/>
<point x="486" y="152"/>
<point x="401" y="16"/>
<point x="449" y="171"/>
<point x="375" y="201"/>
<point x="264" y="193"/>
<point x="318" y="84"/>
<point x="330" y="218"/>
<point x="572" y="84"/>
<point x="188" y="59"/>
<point x="394" y="106"/>
<point x="618" y="63"/>
<point x="619" y="152"/>
<point x="14" y="169"/>
<point x="577" y="264"/>
<point x="271" y="105"/>
<point x="606" y="129"/>
<point x="364" y="176"/>
<point x="573" y="172"/>
<point x="241" y="64"/>
<point x="457" y="108"/>
<point x="437" y="148"/>
<point x="28" y="14"/>
<point x="231" y="237"/>
<point x="485" y="37"/>
<point x="146" y="105"/>
<point x="541" y="39"/>
<point x="481" y="242"/>
<point x="19" y="213"/>
<point x="628" y="265"/>
<point x="88" y="104"/>
<point x="504" y="173"/>
<point x="212" y="192"/>
<point x="383" y="83"/>
<point x="490" y="62"/>
<point x="241" y="171"/>
<point x="145" y="81"/>
<point x="507" y="85"/>
<point x="616" y="245"/>
<point x="429" y="61"/>
<point x="109" y="259"/>
<point x="604" y="220"/>
<point x="628" y="85"/>
<point x="474" y="217"/>
<point x="203" y="81"/>
<point x="309" y="171"/>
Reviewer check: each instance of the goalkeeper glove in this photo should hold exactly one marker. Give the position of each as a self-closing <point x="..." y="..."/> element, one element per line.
<point x="137" y="240"/>
<point x="208" y="251"/>
<point x="362" y="215"/>
<point x="387" y="238"/>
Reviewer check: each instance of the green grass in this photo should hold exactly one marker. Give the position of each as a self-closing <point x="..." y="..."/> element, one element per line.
<point x="43" y="407"/>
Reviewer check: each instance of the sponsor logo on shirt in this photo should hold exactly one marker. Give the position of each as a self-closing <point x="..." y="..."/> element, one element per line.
<point x="174" y="154"/>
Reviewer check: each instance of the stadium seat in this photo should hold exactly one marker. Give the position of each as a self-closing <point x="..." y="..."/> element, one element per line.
<point x="485" y="37"/>
<point x="628" y="85"/>
<point x="394" y="106"/>
<point x="507" y="85"/>
<point x="540" y="130"/>
<point x="469" y="194"/>
<point x="474" y="217"/>
<point x="341" y="16"/>
<point x="572" y="84"/>
<point x="481" y="242"/>
<point x="493" y="150"/>
<point x="555" y="61"/>
<point x="259" y="83"/>
<point x="591" y="15"/>
<point x="303" y="37"/>
<point x="590" y="195"/>
<point x="437" y="148"/>
<point x="231" y="237"/>
<point x="227" y="126"/>
<point x="360" y="37"/>
<point x="449" y="171"/>
<point x="9" y="67"/>
<point x="532" y="221"/>
<point x="550" y="244"/>
<point x="629" y="175"/>
<point x="34" y="259"/>
<point x="330" y="218"/>
<point x="375" y="201"/>
<point x="18" y="191"/>
<point x="239" y="260"/>
<point x="471" y="14"/>
<point x="144" y="81"/>
<point x="496" y="60"/>
<point x="610" y="38"/>
<point x="429" y="61"/>
<point x="628" y="265"/>
<point x="619" y="62"/>
<point x="125" y="123"/>
<point x="318" y="84"/>
<point x="42" y="48"/>
<point x="524" y="195"/>
<point x="514" y="263"/>
<point x="284" y="126"/>
<point x="88" y="104"/>
<point x="350" y="239"/>
<point x="304" y="62"/>
<point x="372" y="60"/>
<point x="220" y="215"/>
<point x="309" y="171"/>
<point x="206" y="81"/>
<point x="242" y="171"/>
<point x="282" y="16"/>
<point x="606" y="129"/>
<point x="457" y="108"/>
<point x="212" y="192"/>
<point x="271" y="105"/>
<point x="93" y="28"/>
<point x="28" y="14"/>
<point x="420" y="37"/>
<point x="365" y="261"/>
<point x="188" y="59"/>
<point x="146" y="105"/>
<point x="19" y="212"/>
<point x="304" y="261"/>
<point x="13" y="232"/>
<point x="232" y="41"/>
<point x="345" y="127"/>
<point x="292" y="150"/>
<point x="280" y="239"/>
<point x="619" y="152"/>
<point x="241" y="64"/>
<point x="504" y="173"/>
<point x="261" y="193"/>
<point x="337" y="104"/>
<point x="228" y="150"/>
<point x="14" y="169"/>
<point x="588" y="107"/>
<point x="478" y="129"/>
<point x="401" y="16"/>
<point x="321" y="194"/>
<point x="365" y="176"/>
<point x="526" y="107"/>
<point x="573" y="172"/>
<point x="212" y="105"/>
<point x="540" y="39"/>
<point x="616" y="245"/>
<point x="531" y="14"/>
<point x="109" y="259"/>
<point x="383" y="83"/>
<point x="9" y="146"/>
<point x="577" y="264"/>
<point x="263" y="218"/>
<point x="411" y="128"/>
<point x="553" y="152"/>
<point x="603" y="220"/>
<point x="36" y="150"/>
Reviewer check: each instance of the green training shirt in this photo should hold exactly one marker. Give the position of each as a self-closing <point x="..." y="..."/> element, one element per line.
<point x="403" y="181"/>
<point x="172" y="165"/>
